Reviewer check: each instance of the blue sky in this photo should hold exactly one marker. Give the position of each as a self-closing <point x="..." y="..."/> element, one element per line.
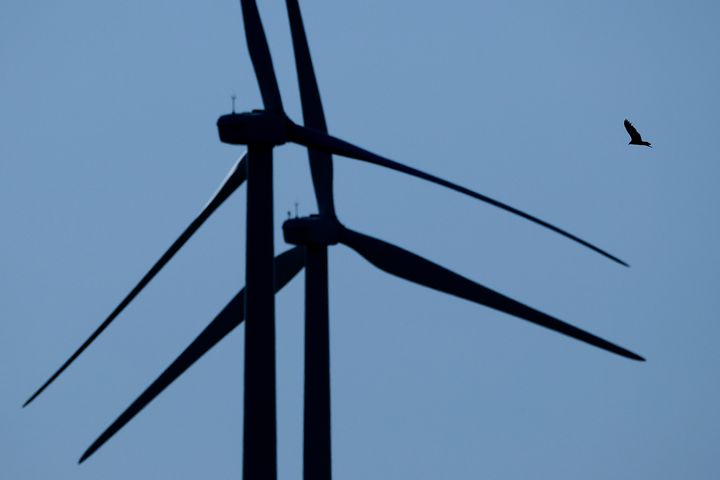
<point x="109" y="148"/>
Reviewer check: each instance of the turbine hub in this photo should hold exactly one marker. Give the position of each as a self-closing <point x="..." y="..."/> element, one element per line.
<point x="315" y="230"/>
<point x="258" y="127"/>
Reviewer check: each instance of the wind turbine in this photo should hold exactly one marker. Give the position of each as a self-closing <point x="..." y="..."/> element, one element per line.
<point x="315" y="233"/>
<point x="318" y="231"/>
<point x="261" y="131"/>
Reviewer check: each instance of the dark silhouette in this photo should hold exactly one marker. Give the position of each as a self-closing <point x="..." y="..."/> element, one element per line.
<point x="315" y="233"/>
<point x="635" y="138"/>
<point x="261" y="131"/>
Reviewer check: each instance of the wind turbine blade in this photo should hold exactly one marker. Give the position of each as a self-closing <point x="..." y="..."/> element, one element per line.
<point x="319" y="140"/>
<point x="287" y="265"/>
<point x="260" y="56"/>
<point x="401" y="263"/>
<point x="321" y="165"/>
<point x="234" y="179"/>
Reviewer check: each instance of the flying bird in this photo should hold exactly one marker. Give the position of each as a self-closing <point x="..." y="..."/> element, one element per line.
<point x="635" y="138"/>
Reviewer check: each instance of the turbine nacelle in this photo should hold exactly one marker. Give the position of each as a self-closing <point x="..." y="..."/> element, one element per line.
<point x="258" y="127"/>
<point x="315" y="230"/>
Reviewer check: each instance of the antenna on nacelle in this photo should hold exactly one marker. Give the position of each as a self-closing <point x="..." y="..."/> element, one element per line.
<point x="233" y="97"/>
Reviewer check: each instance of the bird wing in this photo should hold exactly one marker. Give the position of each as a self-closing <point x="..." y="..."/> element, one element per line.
<point x="634" y="135"/>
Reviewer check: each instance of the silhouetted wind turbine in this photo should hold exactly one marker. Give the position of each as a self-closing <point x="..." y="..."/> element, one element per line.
<point x="262" y="131"/>
<point x="635" y="138"/>
<point x="315" y="233"/>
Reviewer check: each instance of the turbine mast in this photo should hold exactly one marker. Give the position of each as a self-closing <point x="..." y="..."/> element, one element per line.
<point x="316" y="233"/>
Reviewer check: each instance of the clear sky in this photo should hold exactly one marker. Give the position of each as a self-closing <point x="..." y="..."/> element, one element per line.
<point x="109" y="148"/>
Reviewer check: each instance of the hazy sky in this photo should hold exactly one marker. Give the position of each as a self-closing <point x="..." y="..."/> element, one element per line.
<point x="109" y="148"/>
